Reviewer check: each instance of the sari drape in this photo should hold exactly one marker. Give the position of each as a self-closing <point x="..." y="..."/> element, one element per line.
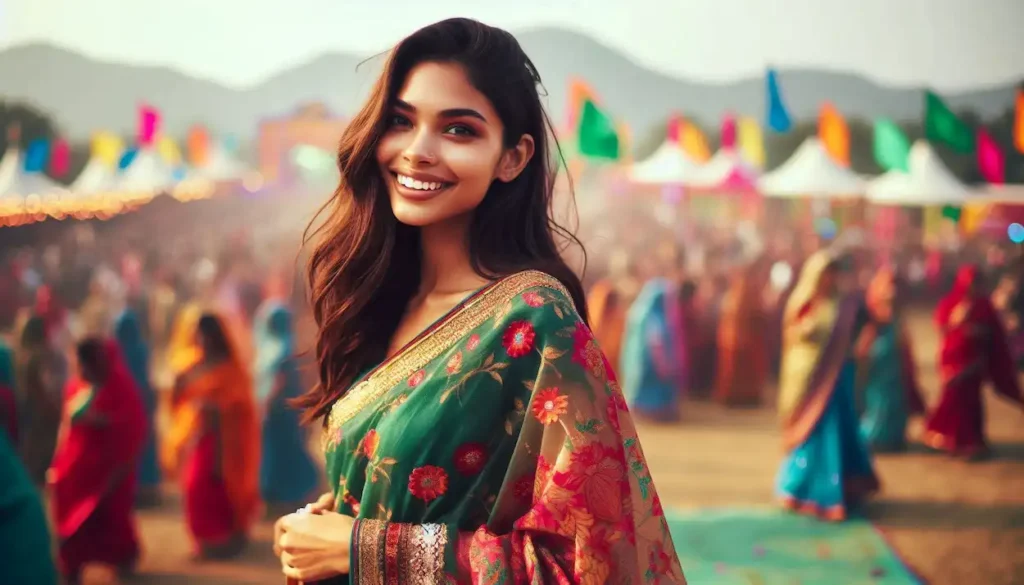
<point x="25" y="543"/>
<point x="974" y="349"/>
<point x="742" y="345"/>
<point x="287" y="470"/>
<point x="650" y="364"/>
<point x="497" y="447"/>
<point x="136" y="354"/>
<point x="93" y="477"/>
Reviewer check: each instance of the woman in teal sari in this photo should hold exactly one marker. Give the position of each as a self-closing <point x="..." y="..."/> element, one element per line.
<point x="287" y="471"/>
<point x="827" y="468"/>
<point x="25" y="544"/>
<point x="650" y="364"/>
<point x="128" y="333"/>
<point x="475" y="432"/>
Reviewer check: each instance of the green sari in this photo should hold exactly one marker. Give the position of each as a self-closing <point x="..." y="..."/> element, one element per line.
<point x="496" y="448"/>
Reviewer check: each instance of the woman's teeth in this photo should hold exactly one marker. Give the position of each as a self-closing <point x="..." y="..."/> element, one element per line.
<point x="412" y="183"/>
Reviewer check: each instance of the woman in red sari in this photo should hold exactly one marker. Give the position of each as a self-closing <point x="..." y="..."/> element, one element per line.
<point x="742" y="343"/>
<point x="214" y="441"/>
<point x="93" y="472"/>
<point x="974" y="349"/>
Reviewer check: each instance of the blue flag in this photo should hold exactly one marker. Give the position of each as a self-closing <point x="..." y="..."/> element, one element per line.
<point x="778" y="117"/>
<point x="127" y="158"/>
<point x="36" y="154"/>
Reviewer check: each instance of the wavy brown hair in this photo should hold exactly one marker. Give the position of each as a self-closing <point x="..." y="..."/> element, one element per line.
<point x="365" y="265"/>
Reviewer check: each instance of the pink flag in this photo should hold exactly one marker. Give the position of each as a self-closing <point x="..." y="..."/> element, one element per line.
<point x="60" y="158"/>
<point x="149" y="124"/>
<point x="729" y="132"/>
<point x="991" y="162"/>
<point x="674" y="130"/>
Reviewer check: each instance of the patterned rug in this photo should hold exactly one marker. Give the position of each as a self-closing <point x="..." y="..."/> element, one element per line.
<point x="772" y="547"/>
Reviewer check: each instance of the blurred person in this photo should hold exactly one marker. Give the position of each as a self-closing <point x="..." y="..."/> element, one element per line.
<point x="456" y="364"/>
<point x="827" y="468"/>
<point x="974" y="349"/>
<point x="93" y="476"/>
<point x="213" y="443"/>
<point x="41" y="374"/>
<point x="56" y="319"/>
<point x="25" y="543"/>
<point x="9" y="408"/>
<point x="96" y="315"/>
<point x="287" y="472"/>
<point x="649" y="364"/>
<point x="136" y="354"/>
<point x="608" y="302"/>
<point x="887" y="370"/>
<point x="742" y="338"/>
<point x="1009" y="299"/>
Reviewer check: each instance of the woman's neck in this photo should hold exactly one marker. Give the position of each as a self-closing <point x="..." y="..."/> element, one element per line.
<point x="445" y="266"/>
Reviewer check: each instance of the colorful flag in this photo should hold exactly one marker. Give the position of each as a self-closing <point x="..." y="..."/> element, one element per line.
<point x="107" y="147"/>
<point x="728" y="138"/>
<point x="1018" y="123"/>
<point x="579" y="92"/>
<point x="149" y="125"/>
<point x="778" y="117"/>
<point x="942" y="125"/>
<point x="168" y="150"/>
<point x="751" y="141"/>
<point x="891" y="146"/>
<point x="694" y="144"/>
<point x="198" y="146"/>
<point x="60" y="158"/>
<point x="674" y="128"/>
<point x="596" y="133"/>
<point x="834" y="134"/>
<point x="127" y="158"/>
<point x="991" y="162"/>
<point x="36" y="155"/>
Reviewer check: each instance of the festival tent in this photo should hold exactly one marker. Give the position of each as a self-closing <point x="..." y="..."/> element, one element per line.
<point x="220" y="171"/>
<point x="726" y="171"/>
<point x="811" y="172"/>
<point x="145" y="176"/>
<point x="21" y="189"/>
<point x="928" y="182"/>
<point x="669" y="165"/>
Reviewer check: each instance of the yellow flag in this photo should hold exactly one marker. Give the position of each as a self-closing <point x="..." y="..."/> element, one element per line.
<point x="751" y="143"/>
<point x="834" y="134"/>
<point x="972" y="216"/>
<point x="694" y="143"/>
<point x="107" y="147"/>
<point x="168" y="150"/>
<point x="1018" y="125"/>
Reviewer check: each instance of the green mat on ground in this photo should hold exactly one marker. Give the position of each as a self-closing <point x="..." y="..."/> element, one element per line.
<point x="772" y="547"/>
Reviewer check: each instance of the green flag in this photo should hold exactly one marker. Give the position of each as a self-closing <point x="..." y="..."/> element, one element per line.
<point x="597" y="136"/>
<point x="892" y="149"/>
<point x="942" y="125"/>
<point x="952" y="213"/>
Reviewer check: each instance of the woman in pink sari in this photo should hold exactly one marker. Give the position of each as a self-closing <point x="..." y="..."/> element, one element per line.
<point x="93" y="472"/>
<point x="974" y="349"/>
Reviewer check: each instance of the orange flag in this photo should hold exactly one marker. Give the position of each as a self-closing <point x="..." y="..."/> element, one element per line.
<point x="834" y="134"/>
<point x="1018" y="126"/>
<point x="579" y="91"/>
<point x="198" y="146"/>
<point x="694" y="143"/>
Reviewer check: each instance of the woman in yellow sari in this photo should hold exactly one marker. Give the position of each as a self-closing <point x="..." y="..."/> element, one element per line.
<point x="214" y="443"/>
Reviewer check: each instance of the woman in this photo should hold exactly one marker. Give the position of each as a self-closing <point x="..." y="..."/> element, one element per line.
<point x="25" y="544"/>
<point x="214" y="440"/>
<point x="974" y="349"/>
<point x="93" y="474"/>
<point x="287" y="472"/>
<point x="608" y="317"/>
<point x="887" y="369"/>
<point x="649" y="364"/>
<point x="136" y="353"/>
<point x="8" y="396"/>
<point x="41" y="375"/>
<point x="474" y="431"/>
<point x="742" y="345"/>
<point x="827" y="468"/>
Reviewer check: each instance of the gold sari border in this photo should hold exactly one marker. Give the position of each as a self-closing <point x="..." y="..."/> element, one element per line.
<point x="369" y="557"/>
<point x="422" y="549"/>
<point x="394" y="553"/>
<point x="433" y="344"/>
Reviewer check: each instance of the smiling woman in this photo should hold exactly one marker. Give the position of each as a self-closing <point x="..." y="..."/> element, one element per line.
<point x="473" y="430"/>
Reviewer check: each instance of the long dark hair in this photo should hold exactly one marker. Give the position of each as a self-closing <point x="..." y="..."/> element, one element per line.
<point x="365" y="266"/>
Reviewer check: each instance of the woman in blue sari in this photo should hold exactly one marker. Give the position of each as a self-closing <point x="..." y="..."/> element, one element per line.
<point x="827" y="467"/>
<point x="649" y="364"/>
<point x="128" y="333"/>
<point x="287" y="471"/>
<point x="886" y="370"/>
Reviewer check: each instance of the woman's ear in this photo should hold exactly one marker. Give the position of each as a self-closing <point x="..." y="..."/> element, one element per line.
<point x="515" y="159"/>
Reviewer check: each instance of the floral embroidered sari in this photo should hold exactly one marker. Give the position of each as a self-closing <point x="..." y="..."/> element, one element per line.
<point x="497" y="447"/>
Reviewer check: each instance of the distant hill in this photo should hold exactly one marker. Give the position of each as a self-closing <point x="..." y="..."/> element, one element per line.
<point x="84" y="95"/>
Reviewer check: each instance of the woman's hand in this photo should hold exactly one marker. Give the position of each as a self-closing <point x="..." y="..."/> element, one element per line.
<point x="325" y="503"/>
<point x="313" y="546"/>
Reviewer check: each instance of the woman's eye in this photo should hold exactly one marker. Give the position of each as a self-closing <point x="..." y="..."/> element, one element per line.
<point x="398" y="120"/>
<point x="460" y="130"/>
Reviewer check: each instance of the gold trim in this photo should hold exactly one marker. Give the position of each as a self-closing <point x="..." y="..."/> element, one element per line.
<point x="423" y="545"/>
<point x="431" y="345"/>
<point x="370" y="550"/>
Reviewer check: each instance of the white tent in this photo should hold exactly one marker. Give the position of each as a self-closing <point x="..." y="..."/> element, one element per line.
<point x="811" y="172"/>
<point x="145" y="177"/>
<point x="726" y="169"/>
<point x="16" y="184"/>
<point x="929" y="182"/>
<point x="220" y="169"/>
<point x="668" y="165"/>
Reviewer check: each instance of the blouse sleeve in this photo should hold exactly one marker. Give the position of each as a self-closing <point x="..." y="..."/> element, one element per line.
<point x="577" y="504"/>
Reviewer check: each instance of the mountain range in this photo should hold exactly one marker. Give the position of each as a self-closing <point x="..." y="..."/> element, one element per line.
<point x="83" y="94"/>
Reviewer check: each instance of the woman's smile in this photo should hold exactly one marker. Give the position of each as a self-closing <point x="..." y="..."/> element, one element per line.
<point x="419" y="186"/>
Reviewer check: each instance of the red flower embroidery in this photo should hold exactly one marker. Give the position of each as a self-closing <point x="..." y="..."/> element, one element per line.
<point x="352" y="502"/>
<point x="586" y="352"/>
<point x="548" y="405"/>
<point x="533" y="299"/>
<point x="368" y="446"/>
<point x="597" y="473"/>
<point x="473" y="343"/>
<point x="417" y="378"/>
<point x="656" y="508"/>
<point x="428" y="482"/>
<point x="659" y="562"/>
<point x="470" y="458"/>
<point x="455" y="363"/>
<point x="518" y="339"/>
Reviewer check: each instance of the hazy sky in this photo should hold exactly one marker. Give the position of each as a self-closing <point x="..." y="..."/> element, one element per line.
<point x="949" y="44"/>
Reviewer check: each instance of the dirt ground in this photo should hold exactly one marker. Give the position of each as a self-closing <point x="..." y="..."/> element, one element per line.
<point x="955" y="522"/>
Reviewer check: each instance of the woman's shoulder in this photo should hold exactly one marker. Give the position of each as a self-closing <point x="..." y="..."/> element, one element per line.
<point x="530" y="294"/>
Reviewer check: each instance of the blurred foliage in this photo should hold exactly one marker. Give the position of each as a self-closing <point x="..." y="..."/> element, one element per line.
<point x="34" y="124"/>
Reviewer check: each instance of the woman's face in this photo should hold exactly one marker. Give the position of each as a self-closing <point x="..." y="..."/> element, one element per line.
<point x="443" y="147"/>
